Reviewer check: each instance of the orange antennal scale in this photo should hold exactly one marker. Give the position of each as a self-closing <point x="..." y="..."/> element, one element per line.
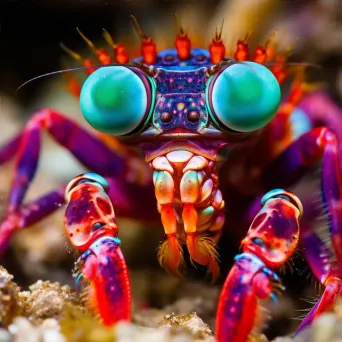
<point x="286" y="108"/>
<point x="242" y="51"/>
<point x="73" y="85"/>
<point x="85" y="62"/>
<point x="261" y="51"/>
<point x="120" y="53"/>
<point x="299" y="88"/>
<point x="183" y="42"/>
<point x="217" y="49"/>
<point x="148" y="46"/>
<point x="102" y="54"/>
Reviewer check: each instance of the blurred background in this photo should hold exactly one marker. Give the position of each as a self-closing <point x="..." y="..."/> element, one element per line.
<point x="30" y="33"/>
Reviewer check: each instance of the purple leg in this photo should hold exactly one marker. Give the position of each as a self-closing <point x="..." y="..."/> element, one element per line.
<point x="326" y="270"/>
<point x="124" y="195"/>
<point x="89" y="150"/>
<point x="322" y="111"/>
<point x="10" y="149"/>
<point x="318" y="144"/>
<point x="29" y="214"/>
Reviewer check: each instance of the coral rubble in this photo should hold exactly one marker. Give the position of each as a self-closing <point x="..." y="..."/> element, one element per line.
<point x="52" y="312"/>
<point x="46" y="300"/>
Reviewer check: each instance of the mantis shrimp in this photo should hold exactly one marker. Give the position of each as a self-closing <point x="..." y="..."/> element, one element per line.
<point x="192" y="112"/>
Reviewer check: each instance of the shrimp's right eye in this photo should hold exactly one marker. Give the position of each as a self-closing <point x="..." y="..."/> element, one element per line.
<point x="117" y="100"/>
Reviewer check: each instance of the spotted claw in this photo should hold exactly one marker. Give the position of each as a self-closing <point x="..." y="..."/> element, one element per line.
<point x="266" y="247"/>
<point x="91" y="228"/>
<point x="109" y="292"/>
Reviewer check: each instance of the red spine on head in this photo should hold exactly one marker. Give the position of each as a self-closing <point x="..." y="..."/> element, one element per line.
<point x="148" y="46"/>
<point x="88" y="63"/>
<point x="262" y="52"/>
<point x="103" y="57"/>
<point x="260" y="55"/>
<point x="85" y="62"/>
<point x="217" y="49"/>
<point x="183" y="43"/>
<point x="242" y="52"/>
<point x="149" y="51"/>
<point x="119" y="50"/>
<point x="120" y="53"/>
<point x="183" y="46"/>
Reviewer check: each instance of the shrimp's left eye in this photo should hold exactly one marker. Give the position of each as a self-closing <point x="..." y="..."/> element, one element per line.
<point x="243" y="97"/>
<point x="117" y="100"/>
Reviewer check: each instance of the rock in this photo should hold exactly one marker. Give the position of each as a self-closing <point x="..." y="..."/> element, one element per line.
<point x="11" y="305"/>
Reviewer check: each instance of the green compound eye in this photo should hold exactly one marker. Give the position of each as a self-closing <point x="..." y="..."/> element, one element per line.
<point x="243" y="97"/>
<point x="117" y="100"/>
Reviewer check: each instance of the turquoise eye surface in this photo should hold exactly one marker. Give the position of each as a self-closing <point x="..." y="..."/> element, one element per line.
<point x="117" y="100"/>
<point x="243" y="97"/>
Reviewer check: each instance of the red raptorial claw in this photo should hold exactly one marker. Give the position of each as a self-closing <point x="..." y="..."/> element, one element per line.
<point x="270" y="241"/>
<point x="91" y="228"/>
<point x="109" y="293"/>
